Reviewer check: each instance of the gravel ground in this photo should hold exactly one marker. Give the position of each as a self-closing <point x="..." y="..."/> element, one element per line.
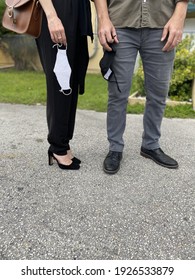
<point x="144" y="211"/>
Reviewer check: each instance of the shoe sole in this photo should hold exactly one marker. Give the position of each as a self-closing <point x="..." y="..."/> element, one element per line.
<point x="159" y="163"/>
<point x="111" y="172"/>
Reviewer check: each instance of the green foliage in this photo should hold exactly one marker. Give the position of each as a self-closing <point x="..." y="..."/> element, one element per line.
<point x="139" y="78"/>
<point x="183" y="72"/>
<point x="2" y="9"/>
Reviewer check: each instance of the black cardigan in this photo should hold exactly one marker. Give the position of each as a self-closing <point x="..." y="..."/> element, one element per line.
<point x="85" y="18"/>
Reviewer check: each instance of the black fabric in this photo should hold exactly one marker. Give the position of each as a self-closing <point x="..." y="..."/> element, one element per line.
<point x="85" y="18"/>
<point x="61" y="109"/>
<point x="106" y="62"/>
<point x="76" y="18"/>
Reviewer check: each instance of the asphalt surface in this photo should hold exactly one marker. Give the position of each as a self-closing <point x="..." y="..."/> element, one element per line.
<point x="144" y="211"/>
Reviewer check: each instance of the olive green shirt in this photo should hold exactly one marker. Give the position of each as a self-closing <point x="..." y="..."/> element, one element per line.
<point x="141" y="13"/>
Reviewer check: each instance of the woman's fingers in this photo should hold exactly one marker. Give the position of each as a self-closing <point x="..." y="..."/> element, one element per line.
<point x="57" y="31"/>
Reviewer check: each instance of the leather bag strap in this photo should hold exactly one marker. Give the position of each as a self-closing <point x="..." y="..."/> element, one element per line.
<point x="16" y="3"/>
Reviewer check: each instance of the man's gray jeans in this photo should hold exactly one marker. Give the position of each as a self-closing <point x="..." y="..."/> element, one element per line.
<point x="157" y="71"/>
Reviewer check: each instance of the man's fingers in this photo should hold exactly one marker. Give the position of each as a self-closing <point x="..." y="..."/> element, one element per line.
<point x="164" y="34"/>
<point x="107" y="40"/>
<point x="107" y="47"/>
<point x="115" y="39"/>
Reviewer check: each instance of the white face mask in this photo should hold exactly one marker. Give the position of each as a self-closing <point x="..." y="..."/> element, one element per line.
<point x="62" y="71"/>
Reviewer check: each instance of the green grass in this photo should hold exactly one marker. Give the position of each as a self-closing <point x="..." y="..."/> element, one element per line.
<point x="95" y="96"/>
<point x="23" y="87"/>
<point x="180" y="111"/>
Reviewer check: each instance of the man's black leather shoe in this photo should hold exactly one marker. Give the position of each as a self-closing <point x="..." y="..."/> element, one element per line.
<point x="112" y="162"/>
<point x="159" y="157"/>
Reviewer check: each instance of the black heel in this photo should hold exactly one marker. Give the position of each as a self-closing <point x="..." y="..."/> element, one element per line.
<point x="50" y="158"/>
<point x="72" y="166"/>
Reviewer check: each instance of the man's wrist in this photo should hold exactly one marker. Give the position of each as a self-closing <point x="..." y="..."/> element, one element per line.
<point x="181" y="9"/>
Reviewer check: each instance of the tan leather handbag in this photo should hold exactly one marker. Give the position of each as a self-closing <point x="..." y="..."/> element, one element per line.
<point x="23" y="17"/>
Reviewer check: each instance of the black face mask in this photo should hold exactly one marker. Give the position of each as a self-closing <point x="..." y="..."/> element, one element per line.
<point x="106" y="64"/>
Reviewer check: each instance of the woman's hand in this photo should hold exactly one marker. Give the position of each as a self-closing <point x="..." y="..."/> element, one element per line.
<point x="56" y="30"/>
<point x="55" y="25"/>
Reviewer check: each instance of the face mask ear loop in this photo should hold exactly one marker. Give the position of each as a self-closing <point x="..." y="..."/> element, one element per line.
<point x="57" y="45"/>
<point x="63" y="92"/>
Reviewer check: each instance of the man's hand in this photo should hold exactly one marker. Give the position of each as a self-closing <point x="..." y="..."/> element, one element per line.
<point x="106" y="31"/>
<point x="107" y="34"/>
<point x="173" y="30"/>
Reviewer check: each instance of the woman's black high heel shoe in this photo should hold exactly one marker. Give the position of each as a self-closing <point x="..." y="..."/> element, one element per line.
<point x="72" y="166"/>
<point x="76" y="160"/>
